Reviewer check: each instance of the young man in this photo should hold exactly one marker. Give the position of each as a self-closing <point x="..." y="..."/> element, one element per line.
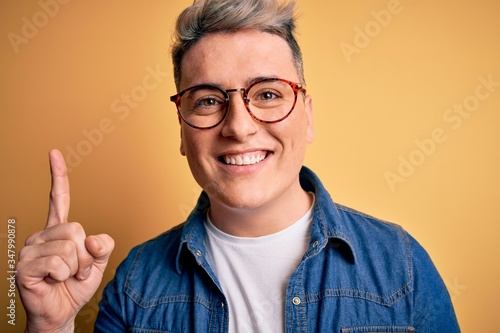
<point x="265" y="249"/>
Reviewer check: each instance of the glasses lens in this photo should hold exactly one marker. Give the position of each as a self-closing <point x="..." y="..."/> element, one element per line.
<point x="203" y="106"/>
<point x="271" y="100"/>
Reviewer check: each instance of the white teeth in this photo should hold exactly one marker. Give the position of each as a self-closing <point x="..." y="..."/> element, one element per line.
<point x="245" y="160"/>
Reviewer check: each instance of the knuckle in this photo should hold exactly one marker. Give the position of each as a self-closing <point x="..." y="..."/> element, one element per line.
<point x="75" y="228"/>
<point x="56" y="193"/>
<point x="33" y="239"/>
<point x="22" y="279"/>
<point x="54" y="262"/>
<point x="20" y="269"/>
<point x="22" y="253"/>
<point x="67" y="248"/>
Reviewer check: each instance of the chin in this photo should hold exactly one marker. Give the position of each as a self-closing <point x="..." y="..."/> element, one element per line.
<point x="237" y="198"/>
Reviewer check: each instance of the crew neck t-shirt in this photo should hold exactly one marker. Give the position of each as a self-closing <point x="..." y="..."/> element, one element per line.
<point x="254" y="272"/>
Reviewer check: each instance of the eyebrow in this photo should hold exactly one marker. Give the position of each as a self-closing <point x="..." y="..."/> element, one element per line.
<point x="247" y="82"/>
<point x="259" y="78"/>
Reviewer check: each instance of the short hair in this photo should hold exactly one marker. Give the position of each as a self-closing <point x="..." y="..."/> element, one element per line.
<point x="208" y="16"/>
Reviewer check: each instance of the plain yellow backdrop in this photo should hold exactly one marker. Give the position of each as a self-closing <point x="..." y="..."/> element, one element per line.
<point x="407" y="119"/>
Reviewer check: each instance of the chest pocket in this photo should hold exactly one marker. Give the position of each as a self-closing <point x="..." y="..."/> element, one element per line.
<point x="377" y="329"/>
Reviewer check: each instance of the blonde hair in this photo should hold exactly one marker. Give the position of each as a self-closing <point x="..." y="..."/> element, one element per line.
<point x="208" y="16"/>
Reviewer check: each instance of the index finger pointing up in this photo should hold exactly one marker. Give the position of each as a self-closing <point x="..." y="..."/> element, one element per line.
<point x="59" y="191"/>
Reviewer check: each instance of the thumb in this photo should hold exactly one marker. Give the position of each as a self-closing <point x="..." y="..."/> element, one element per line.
<point x="100" y="247"/>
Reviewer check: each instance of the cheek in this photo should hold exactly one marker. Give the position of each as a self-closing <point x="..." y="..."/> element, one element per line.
<point x="294" y="133"/>
<point x="188" y="140"/>
<point x="194" y="145"/>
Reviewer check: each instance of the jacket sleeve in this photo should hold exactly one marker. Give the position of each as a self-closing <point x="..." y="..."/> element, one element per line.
<point x="433" y="309"/>
<point x="112" y="317"/>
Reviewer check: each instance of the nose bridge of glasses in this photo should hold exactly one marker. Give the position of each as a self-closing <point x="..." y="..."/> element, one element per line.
<point x="242" y="94"/>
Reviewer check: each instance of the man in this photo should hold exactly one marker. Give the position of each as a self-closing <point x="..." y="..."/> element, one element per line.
<point x="265" y="249"/>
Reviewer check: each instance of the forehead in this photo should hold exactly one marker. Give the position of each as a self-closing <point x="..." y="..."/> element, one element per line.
<point x="234" y="59"/>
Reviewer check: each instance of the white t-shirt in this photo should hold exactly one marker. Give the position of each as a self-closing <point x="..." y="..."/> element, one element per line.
<point x="254" y="273"/>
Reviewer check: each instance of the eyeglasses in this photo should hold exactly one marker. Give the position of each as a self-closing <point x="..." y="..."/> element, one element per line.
<point x="269" y="100"/>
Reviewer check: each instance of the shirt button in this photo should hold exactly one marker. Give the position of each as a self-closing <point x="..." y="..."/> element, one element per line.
<point x="315" y="243"/>
<point x="296" y="300"/>
<point x="198" y="253"/>
<point x="221" y="305"/>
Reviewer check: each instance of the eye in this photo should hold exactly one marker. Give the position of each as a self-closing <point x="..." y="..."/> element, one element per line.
<point x="208" y="102"/>
<point x="208" y="105"/>
<point x="267" y="95"/>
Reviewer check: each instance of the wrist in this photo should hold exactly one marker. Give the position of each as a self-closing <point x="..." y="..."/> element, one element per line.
<point x="68" y="327"/>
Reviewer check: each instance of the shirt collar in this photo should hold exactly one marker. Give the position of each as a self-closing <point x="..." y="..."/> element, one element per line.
<point x="328" y="227"/>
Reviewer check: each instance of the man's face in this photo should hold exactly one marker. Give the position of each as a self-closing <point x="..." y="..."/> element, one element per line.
<point x="233" y="61"/>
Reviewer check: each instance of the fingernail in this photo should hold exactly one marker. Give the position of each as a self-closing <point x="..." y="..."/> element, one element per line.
<point x="97" y="242"/>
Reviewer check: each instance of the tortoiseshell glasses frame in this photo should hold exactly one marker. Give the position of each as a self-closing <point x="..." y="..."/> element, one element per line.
<point x="267" y="100"/>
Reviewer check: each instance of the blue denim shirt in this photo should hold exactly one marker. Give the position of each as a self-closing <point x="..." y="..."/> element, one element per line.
<point x="359" y="274"/>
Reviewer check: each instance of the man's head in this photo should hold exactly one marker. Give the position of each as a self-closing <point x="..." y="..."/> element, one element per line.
<point x="209" y="16"/>
<point x="244" y="164"/>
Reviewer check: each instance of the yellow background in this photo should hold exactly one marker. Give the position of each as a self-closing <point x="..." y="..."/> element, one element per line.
<point x="372" y="106"/>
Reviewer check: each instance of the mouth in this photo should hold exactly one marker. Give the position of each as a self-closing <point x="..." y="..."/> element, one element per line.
<point x="244" y="159"/>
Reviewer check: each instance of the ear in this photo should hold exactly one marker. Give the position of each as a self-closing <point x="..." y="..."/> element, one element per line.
<point x="183" y="152"/>
<point x="309" y="108"/>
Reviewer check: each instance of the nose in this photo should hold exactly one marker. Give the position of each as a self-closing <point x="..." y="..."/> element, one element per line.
<point x="239" y="123"/>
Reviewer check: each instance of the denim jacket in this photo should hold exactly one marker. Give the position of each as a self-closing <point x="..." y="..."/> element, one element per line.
<point x="359" y="274"/>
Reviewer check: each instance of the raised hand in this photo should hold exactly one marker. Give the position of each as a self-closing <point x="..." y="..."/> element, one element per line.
<point x="60" y="268"/>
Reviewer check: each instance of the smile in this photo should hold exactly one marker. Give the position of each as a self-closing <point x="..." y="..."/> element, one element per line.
<point x="244" y="159"/>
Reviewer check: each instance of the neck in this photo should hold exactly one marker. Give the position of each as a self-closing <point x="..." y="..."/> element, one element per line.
<point x="264" y="220"/>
